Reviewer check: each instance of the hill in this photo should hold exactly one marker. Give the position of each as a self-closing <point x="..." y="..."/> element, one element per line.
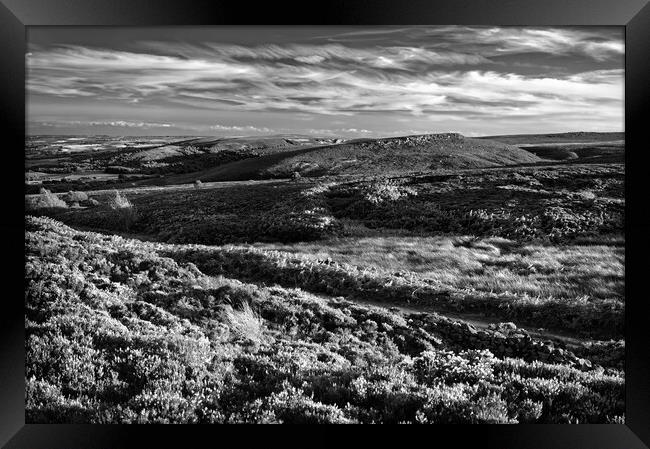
<point x="396" y="155"/>
<point x="577" y="137"/>
<point x="585" y="146"/>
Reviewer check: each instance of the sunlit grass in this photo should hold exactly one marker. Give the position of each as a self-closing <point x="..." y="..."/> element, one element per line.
<point x="485" y="265"/>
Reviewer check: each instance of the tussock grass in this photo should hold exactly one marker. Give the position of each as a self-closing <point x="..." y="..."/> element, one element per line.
<point x="578" y="313"/>
<point x="118" y="201"/>
<point x="46" y="200"/>
<point x="483" y="265"/>
<point x="245" y="323"/>
<point x="124" y="211"/>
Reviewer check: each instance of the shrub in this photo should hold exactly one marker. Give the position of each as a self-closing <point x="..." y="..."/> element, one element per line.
<point x="76" y="197"/>
<point x="293" y="407"/>
<point x="125" y="213"/>
<point x="385" y="191"/>
<point x="528" y="411"/>
<point x="48" y="200"/>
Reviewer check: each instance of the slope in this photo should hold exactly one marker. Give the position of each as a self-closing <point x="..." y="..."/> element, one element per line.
<point x="396" y="155"/>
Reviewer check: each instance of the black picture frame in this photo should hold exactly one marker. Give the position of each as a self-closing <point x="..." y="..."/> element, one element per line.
<point x="634" y="15"/>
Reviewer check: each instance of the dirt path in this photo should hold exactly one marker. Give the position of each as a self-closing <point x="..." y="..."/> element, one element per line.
<point x="174" y="187"/>
<point x="477" y="320"/>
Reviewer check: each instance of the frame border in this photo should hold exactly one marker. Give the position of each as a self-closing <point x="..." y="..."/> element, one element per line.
<point x="634" y="15"/>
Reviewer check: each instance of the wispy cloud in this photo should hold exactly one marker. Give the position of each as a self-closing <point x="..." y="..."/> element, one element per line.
<point x="247" y="128"/>
<point x="493" y="41"/>
<point x="554" y="41"/>
<point x="109" y="123"/>
<point x="451" y="73"/>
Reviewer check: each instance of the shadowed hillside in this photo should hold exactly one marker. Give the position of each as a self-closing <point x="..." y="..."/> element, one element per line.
<point x="572" y="137"/>
<point x="586" y="146"/>
<point x="370" y="156"/>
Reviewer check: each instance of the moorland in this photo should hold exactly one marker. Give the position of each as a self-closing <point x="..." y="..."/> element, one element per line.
<point x="419" y="279"/>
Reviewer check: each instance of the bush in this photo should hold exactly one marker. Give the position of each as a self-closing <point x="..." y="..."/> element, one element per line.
<point x="48" y="200"/>
<point x="76" y="197"/>
<point x="125" y="213"/>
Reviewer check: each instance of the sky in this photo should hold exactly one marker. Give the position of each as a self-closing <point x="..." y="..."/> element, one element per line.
<point x="355" y="81"/>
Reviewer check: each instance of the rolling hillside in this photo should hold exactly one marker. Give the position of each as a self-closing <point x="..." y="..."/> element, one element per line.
<point x="586" y="146"/>
<point x="395" y="155"/>
<point x="566" y="138"/>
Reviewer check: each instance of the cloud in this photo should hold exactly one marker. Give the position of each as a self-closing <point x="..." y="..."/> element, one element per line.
<point x="110" y="123"/>
<point x="597" y="43"/>
<point x="554" y="41"/>
<point x="248" y="128"/>
<point x="339" y="131"/>
<point x="420" y="73"/>
<point x="314" y="59"/>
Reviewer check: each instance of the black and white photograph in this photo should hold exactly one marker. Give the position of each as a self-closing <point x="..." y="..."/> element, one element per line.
<point x="325" y="224"/>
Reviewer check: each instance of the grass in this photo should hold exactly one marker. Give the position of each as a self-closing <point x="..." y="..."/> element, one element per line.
<point x="560" y="204"/>
<point x="485" y="265"/>
<point x="245" y="323"/>
<point x="597" y="315"/>
<point x="504" y="243"/>
<point x="46" y="201"/>
<point x="260" y="302"/>
<point x="118" y="332"/>
<point x="124" y="214"/>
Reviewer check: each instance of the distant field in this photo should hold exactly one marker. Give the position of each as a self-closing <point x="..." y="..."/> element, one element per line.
<point x="587" y="147"/>
<point x="123" y="162"/>
<point x="561" y="138"/>
<point x="598" y="152"/>
<point x="166" y="161"/>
